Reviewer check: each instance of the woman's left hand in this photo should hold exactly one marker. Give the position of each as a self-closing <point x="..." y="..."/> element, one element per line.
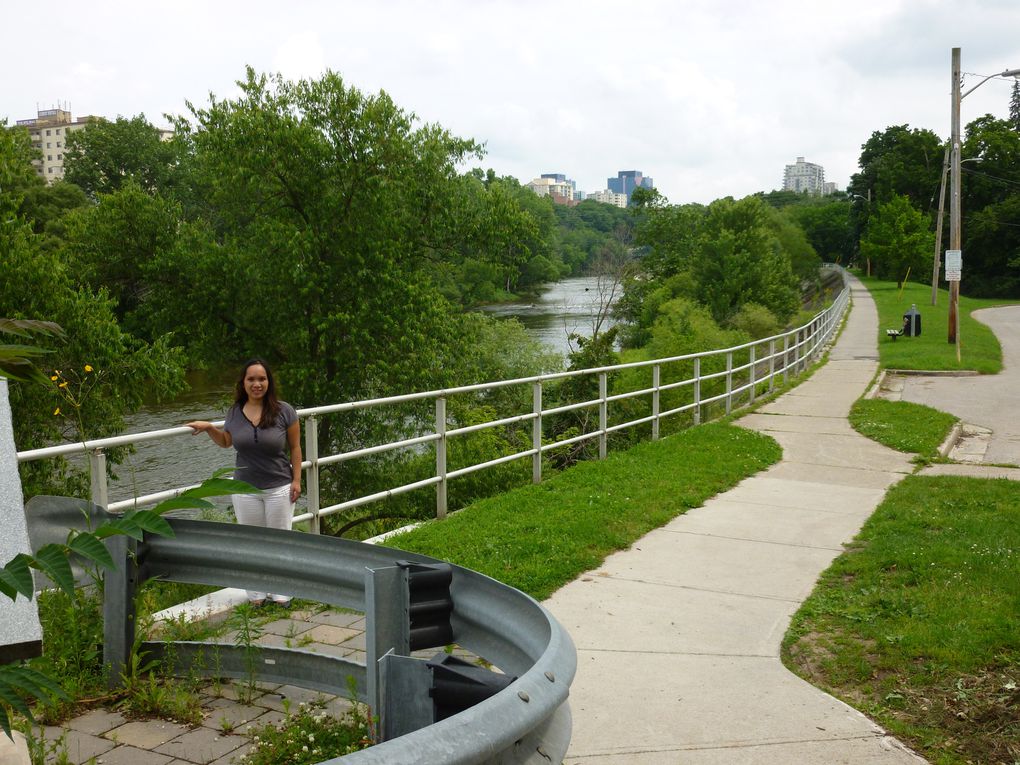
<point x="295" y="491"/>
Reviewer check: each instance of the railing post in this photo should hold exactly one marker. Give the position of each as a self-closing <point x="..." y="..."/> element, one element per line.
<point x="697" y="391"/>
<point x="656" y="381"/>
<point x="603" y="413"/>
<point x="99" y="490"/>
<point x="772" y="365"/>
<point x="119" y="585"/>
<point x="536" y="432"/>
<point x="441" y="457"/>
<point x="729" y="381"/>
<point x="786" y="358"/>
<point x="752" y="362"/>
<point x="312" y="480"/>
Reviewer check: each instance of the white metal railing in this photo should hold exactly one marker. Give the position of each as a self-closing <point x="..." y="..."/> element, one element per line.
<point x="768" y="359"/>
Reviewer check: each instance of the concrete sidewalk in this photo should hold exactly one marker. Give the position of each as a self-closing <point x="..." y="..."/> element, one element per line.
<point x="678" y="637"/>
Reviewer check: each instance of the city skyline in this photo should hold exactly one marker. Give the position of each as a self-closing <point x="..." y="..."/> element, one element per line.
<point x="710" y="103"/>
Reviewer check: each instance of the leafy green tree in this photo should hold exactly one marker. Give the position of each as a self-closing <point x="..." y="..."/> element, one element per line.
<point x="992" y="254"/>
<point x="47" y="205"/>
<point x="900" y="161"/>
<point x="898" y="241"/>
<point x="98" y="373"/>
<point x="827" y="226"/>
<point x="740" y="260"/>
<point x="104" y="155"/>
<point x="117" y="244"/>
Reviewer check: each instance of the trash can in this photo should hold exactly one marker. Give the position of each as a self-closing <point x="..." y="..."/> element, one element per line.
<point x="912" y="322"/>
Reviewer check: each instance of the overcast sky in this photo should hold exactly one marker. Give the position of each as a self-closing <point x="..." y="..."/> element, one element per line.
<point x="709" y="98"/>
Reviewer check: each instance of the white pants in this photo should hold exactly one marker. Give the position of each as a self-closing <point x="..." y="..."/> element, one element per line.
<point x="271" y="509"/>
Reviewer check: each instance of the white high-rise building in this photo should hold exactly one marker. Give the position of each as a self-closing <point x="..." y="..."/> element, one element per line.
<point x="805" y="177"/>
<point x="49" y="131"/>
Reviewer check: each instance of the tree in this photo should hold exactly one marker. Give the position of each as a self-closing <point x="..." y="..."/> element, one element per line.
<point x="38" y="286"/>
<point x="900" y="160"/>
<point x="827" y="227"/>
<point x="116" y="245"/>
<point x="898" y="242"/>
<point x="104" y="155"/>
<point x="741" y="260"/>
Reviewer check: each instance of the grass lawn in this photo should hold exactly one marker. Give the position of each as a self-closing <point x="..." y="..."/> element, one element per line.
<point x="979" y="349"/>
<point x="902" y="425"/>
<point x="538" y="538"/>
<point x="918" y="623"/>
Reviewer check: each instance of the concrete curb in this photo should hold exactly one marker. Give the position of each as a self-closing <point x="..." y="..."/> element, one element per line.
<point x="951" y="440"/>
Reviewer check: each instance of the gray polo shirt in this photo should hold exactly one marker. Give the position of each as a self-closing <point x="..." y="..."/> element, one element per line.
<point x="262" y="458"/>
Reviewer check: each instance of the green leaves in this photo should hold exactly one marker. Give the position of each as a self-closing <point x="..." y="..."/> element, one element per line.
<point x="17" y="682"/>
<point x="16" y="360"/>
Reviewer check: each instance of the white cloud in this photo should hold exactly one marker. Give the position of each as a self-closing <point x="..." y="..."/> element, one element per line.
<point x="709" y="99"/>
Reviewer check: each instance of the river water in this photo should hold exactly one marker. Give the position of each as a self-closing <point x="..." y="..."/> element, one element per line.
<point x="566" y="307"/>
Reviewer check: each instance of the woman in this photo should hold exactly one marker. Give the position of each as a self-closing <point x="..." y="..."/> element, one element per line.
<point x="262" y="429"/>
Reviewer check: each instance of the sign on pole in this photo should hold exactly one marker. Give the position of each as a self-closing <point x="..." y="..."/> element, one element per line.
<point x="954" y="265"/>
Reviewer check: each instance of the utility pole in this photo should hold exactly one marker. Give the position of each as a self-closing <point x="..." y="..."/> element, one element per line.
<point x="954" y="199"/>
<point x="938" y="231"/>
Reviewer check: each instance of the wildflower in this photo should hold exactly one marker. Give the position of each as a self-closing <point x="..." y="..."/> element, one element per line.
<point x="54" y="377"/>
<point x="56" y="412"/>
<point x="63" y="384"/>
<point x="88" y="367"/>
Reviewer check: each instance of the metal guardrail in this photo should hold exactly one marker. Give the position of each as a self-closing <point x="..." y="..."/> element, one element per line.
<point x="749" y="368"/>
<point x="528" y="721"/>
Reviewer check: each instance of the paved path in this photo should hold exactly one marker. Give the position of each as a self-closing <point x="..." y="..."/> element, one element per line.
<point x="678" y="637"/>
<point x="990" y="401"/>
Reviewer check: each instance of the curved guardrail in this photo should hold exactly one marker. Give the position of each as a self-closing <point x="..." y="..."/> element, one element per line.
<point x="528" y="720"/>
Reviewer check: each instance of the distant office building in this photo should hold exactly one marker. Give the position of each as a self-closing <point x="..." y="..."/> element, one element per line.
<point x="626" y="181"/>
<point x="49" y="131"/>
<point x="609" y="197"/>
<point x="806" y="177"/>
<point x="557" y="187"/>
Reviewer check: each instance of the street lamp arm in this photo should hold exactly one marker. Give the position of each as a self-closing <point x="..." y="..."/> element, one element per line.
<point x="1007" y="73"/>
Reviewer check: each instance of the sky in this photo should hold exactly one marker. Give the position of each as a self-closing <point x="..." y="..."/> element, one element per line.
<point x="708" y="98"/>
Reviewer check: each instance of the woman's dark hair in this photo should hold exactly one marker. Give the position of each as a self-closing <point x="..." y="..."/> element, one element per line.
<point x="270" y="403"/>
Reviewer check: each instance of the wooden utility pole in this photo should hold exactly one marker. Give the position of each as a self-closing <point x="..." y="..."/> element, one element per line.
<point x="954" y="198"/>
<point x="937" y="263"/>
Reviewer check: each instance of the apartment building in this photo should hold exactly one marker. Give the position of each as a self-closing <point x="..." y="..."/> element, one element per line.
<point x="806" y="177"/>
<point x="48" y="131"/>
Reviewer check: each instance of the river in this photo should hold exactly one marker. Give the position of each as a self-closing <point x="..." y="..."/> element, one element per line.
<point x="568" y="306"/>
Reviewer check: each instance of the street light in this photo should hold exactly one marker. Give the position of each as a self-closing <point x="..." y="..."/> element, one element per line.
<point x="954" y="194"/>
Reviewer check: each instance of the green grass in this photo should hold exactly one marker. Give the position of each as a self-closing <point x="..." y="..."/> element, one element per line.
<point x="902" y="425"/>
<point x="918" y="623"/>
<point x="538" y="538"/>
<point x="979" y="349"/>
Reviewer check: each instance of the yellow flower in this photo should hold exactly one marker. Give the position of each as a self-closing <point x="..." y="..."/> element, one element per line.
<point x="54" y="378"/>
<point x="56" y="411"/>
<point x="88" y="367"/>
<point x="63" y="384"/>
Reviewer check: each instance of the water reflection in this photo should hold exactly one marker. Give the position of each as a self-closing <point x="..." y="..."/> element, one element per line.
<point x="570" y="306"/>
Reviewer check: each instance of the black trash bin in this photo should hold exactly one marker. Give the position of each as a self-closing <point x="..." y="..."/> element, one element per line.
<point x="912" y="322"/>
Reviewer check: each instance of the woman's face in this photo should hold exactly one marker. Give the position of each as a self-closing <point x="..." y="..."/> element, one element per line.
<point x="256" y="382"/>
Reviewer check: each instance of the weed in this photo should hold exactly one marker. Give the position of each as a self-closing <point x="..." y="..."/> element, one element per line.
<point x="248" y="631"/>
<point x="310" y="735"/>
